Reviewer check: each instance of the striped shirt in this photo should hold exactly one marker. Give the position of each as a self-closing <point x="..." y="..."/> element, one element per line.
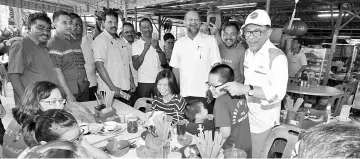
<point x="174" y="108"/>
<point x="67" y="55"/>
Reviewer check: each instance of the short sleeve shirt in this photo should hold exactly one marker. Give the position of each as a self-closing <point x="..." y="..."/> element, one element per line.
<point x="31" y="59"/>
<point x="234" y="57"/>
<point x="151" y="65"/>
<point x="194" y="58"/>
<point x="233" y="112"/>
<point x="14" y="143"/>
<point x="67" y="55"/>
<point x="114" y="53"/>
<point x="296" y="61"/>
<point x="175" y="107"/>
<point x="86" y="46"/>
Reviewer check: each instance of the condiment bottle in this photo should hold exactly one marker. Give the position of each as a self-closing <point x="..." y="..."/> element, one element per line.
<point x="328" y="113"/>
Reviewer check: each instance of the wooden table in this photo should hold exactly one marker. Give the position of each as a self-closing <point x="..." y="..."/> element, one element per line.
<point x="316" y="90"/>
<point x="122" y="108"/>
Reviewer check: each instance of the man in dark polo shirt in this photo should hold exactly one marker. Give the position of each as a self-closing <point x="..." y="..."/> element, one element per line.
<point x="29" y="60"/>
<point x="65" y="51"/>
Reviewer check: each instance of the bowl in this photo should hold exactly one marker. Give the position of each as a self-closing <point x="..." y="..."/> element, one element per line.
<point x="234" y="153"/>
<point x="110" y="125"/>
<point x="184" y="140"/>
<point x="117" y="148"/>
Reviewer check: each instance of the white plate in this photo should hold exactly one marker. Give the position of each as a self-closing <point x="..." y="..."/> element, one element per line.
<point x="119" y="128"/>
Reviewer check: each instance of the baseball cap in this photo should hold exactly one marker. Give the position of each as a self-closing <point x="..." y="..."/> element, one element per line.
<point x="258" y="17"/>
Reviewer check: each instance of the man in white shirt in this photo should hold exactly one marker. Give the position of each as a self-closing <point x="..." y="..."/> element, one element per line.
<point x="266" y="76"/>
<point x="112" y="59"/>
<point x="297" y="59"/>
<point x="192" y="59"/>
<point x="147" y="59"/>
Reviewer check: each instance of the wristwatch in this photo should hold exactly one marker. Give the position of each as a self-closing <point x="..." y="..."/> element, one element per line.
<point x="251" y="91"/>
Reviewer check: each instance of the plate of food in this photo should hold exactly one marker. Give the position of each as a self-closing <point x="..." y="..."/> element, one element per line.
<point x="106" y="128"/>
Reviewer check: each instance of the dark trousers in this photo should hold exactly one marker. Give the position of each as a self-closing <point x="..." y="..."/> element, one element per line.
<point x="144" y="90"/>
<point x="83" y="96"/>
<point x="92" y="91"/>
<point x="209" y="107"/>
<point x="129" y="102"/>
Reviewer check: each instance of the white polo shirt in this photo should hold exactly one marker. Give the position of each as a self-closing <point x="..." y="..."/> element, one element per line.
<point x="264" y="114"/>
<point x="86" y="46"/>
<point x="194" y="58"/>
<point x="133" y="71"/>
<point x="114" y="53"/>
<point x="151" y="65"/>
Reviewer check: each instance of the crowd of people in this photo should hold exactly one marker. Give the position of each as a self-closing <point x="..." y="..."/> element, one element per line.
<point x="182" y="77"/>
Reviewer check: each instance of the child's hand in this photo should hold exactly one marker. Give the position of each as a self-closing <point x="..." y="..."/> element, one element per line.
<point x="210" y="117"/>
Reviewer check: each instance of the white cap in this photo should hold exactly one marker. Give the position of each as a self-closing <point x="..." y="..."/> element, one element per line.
<point x="258" y="17"/>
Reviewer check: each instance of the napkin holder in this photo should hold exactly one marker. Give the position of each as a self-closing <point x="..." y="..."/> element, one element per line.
<point x="295" y="118"/>
<point x="110" y="115"/>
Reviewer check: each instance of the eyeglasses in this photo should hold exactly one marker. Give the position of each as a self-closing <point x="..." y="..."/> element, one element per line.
<point x="78" y="137"/>
<point x="212" y="86"/>
<point x="55" y="102"/>
<point x="256" y="33"/>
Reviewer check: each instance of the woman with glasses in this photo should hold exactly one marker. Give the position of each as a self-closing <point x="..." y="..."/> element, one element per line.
<point x="38" y="97"/>
<point x="56" y="125"/>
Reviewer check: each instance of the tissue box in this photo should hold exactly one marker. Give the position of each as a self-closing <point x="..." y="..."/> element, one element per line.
<point x="295" y="118"/>
<point x="107" y="114"/>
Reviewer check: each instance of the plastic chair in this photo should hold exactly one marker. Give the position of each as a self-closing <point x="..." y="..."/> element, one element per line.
<point x="284" y="132"/>
<point x="143" y="103"/>
<point x="3" y="79"/>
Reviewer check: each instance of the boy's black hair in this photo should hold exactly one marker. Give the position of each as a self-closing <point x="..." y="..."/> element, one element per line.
<point x="224" y="71"/>
<point x="38" y="16"/>
<point x="192" y="108"/>
<point x="59" y="13"/>
<point x="168" y="36"/>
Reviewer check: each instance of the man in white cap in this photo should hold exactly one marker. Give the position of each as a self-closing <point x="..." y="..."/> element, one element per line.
<point x="266" y="76"/>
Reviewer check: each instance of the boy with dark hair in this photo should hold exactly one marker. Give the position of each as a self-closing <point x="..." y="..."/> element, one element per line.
<point x="68" y="58"/>
<point x="197" y="114"/>
<point x="230" y="113"/>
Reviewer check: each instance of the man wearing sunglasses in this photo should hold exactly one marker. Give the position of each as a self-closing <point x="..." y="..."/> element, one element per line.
<point x="266" y="75"/>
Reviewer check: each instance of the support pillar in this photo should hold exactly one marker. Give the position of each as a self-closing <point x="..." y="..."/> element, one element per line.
<point x="333" y="45"/>
<point x="268" y="6"/>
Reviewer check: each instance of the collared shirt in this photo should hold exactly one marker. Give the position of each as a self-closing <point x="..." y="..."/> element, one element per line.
<point x="31" y="59"/>
<point x="133" y="71"/>
<point x="114" y="53"/>
<point x="67" y="55"/>
<point x="264" y="114"/>
<point x="86" y="46"/>
<point x="296" y="61"/>
<point x="194" y="58"/>
<point x="151" y="65"/>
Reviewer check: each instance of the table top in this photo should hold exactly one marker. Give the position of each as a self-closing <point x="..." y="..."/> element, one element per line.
<point x="122" y="108"/>
<point x="315" y="90"/>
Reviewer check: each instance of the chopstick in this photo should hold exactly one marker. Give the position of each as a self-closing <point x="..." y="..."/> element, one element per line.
<point x="113" y="136"/>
